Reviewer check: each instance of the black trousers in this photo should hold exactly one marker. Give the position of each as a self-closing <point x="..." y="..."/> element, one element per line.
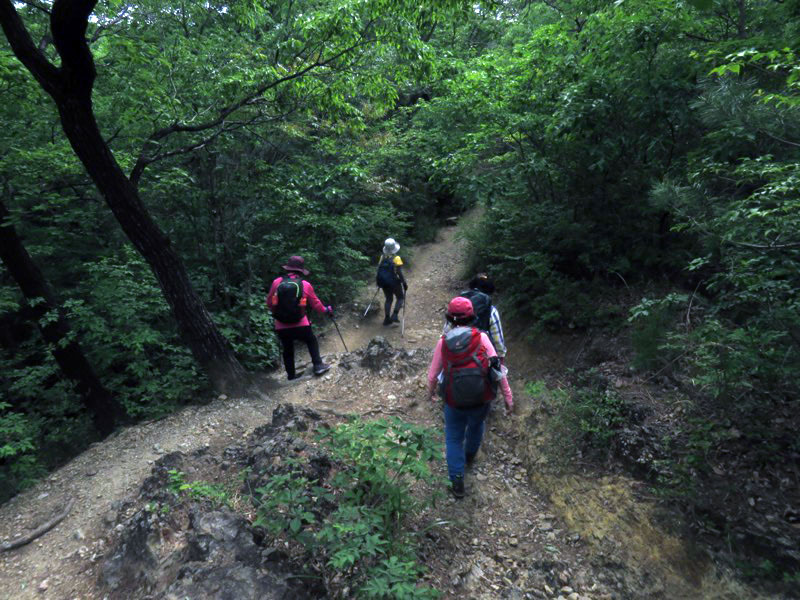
<point x="391" y="293"/>
<point x="302" y="334"/>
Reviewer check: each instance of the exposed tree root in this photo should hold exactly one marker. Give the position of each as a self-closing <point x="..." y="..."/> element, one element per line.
<point x="40" y="531"/>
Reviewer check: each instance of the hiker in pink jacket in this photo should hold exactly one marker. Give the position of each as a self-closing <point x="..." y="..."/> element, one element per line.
<point x="289" y="297"/>
<point x="467" y="372"/>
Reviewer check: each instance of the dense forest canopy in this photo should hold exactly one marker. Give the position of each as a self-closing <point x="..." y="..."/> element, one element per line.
<point x="159" y="160"/>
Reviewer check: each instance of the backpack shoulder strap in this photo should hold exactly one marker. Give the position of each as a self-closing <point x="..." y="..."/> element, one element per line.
<point x="298" y="281"/>
<point x="476" y="338"/>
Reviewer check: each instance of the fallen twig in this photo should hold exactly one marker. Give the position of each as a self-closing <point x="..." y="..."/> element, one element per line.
<point x="335" y="413"/>
<point x="40" y="531"/>
<point x="391" y="412"/>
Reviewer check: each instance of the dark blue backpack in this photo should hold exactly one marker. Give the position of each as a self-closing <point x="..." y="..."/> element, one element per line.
<point x="482" y="305"/>
<point x="386" y="276"/>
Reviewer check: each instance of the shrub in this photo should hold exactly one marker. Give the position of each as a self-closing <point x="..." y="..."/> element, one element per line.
<point x="588" y="411"/>
<point x="362" y="537"/>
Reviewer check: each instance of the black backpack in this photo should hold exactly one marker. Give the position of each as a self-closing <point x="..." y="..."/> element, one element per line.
<point x="482" y="305"/>
<point x="386" y="276"/>
<point x="289" y="302"/>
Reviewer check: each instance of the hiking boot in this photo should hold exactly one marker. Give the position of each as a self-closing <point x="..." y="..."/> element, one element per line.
<point x="395" y="318"/>
<point x="321" y="368"/>
<point x="387" y="321"/>
<point x="470" y="458"/>
<point x="457" y="487"/>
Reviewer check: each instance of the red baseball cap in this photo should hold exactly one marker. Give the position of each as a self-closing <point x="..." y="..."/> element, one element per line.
<point x="460" y="308"/>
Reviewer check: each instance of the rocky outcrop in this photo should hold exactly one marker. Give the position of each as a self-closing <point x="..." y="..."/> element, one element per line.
<point x="173" y="548"/>
<point x="380" y="357"/>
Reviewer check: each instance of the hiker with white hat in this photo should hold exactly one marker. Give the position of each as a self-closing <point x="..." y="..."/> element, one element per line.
<point x="390" y="279"/>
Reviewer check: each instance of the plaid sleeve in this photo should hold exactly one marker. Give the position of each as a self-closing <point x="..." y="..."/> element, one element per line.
<point x="496" y="333"/>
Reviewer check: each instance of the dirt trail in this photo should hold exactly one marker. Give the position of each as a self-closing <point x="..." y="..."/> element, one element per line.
<point x="518" y="534"/>
<point x="62" y="563"/>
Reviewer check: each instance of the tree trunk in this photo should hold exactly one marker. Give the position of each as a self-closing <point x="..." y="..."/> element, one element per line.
<point x="71" y="360"/>
<point x="71" y="88"/>
<point x="741" y="21"/>
<point x="197" y="329"/>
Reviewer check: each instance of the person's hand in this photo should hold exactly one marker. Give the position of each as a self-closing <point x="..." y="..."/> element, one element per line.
<point x="432" y="397"/>
<point x="405" y="286"/>
<point x="509" y="407"/>
<point x="329" y="311"/>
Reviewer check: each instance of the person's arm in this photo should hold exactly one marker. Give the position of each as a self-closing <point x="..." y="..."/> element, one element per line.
<point x="434" y="370"/>
<point x="313" y="301"/>
<point x="504" y="387"/>
<point x="486" y="344"/>
<point x="496" y="333"/>
<point x="403" y="282"/>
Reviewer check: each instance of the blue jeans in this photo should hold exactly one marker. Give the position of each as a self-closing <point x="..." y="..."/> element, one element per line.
<point x="463" y="432"/>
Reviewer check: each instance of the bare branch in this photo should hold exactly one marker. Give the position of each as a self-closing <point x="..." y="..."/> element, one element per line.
<point x="764" y="246"/>
<point x="26" y="51"/>
<point x="37" y="6"/>
<point x="699" y="38"/>
<point x="250" y="99"/>
<point x="143" y="162"/>
<point x="114" y="135"/>
<point x="226" y="127"/>
<point x="98" y="32"/>
<point x="777" y="139"/>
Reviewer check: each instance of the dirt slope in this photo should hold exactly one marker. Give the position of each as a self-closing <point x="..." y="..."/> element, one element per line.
<point x="518" y="534"/>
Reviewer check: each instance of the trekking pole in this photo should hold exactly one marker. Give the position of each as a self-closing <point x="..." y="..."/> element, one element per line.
<point x="370" y="303"/>
<point x="339" y="332"/>
<point x="403" y="321"/>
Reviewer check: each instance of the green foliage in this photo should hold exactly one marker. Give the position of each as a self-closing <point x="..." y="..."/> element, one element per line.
<point x="41" y="424"/>
<point x="146" y="366"/>
<point x="739" y="336"/>
<point x="19" y="465"/>
<point x="605" y="142"/>
<point x="558" y="134"/>
<point x="248" y="327"/>
<point x="217" y="494"/>
<point x="653" y="321"/>
<point x="362" y="535"/>
<point x="588" y="411"/>
<point x="396" y="579"/>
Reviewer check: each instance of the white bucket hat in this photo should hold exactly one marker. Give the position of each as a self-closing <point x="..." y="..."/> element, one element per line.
<point x="390" y="246"/>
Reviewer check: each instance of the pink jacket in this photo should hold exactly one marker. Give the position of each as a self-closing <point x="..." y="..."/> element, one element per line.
<point x="437" y="366"/>
<point x="308" y="292"/>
